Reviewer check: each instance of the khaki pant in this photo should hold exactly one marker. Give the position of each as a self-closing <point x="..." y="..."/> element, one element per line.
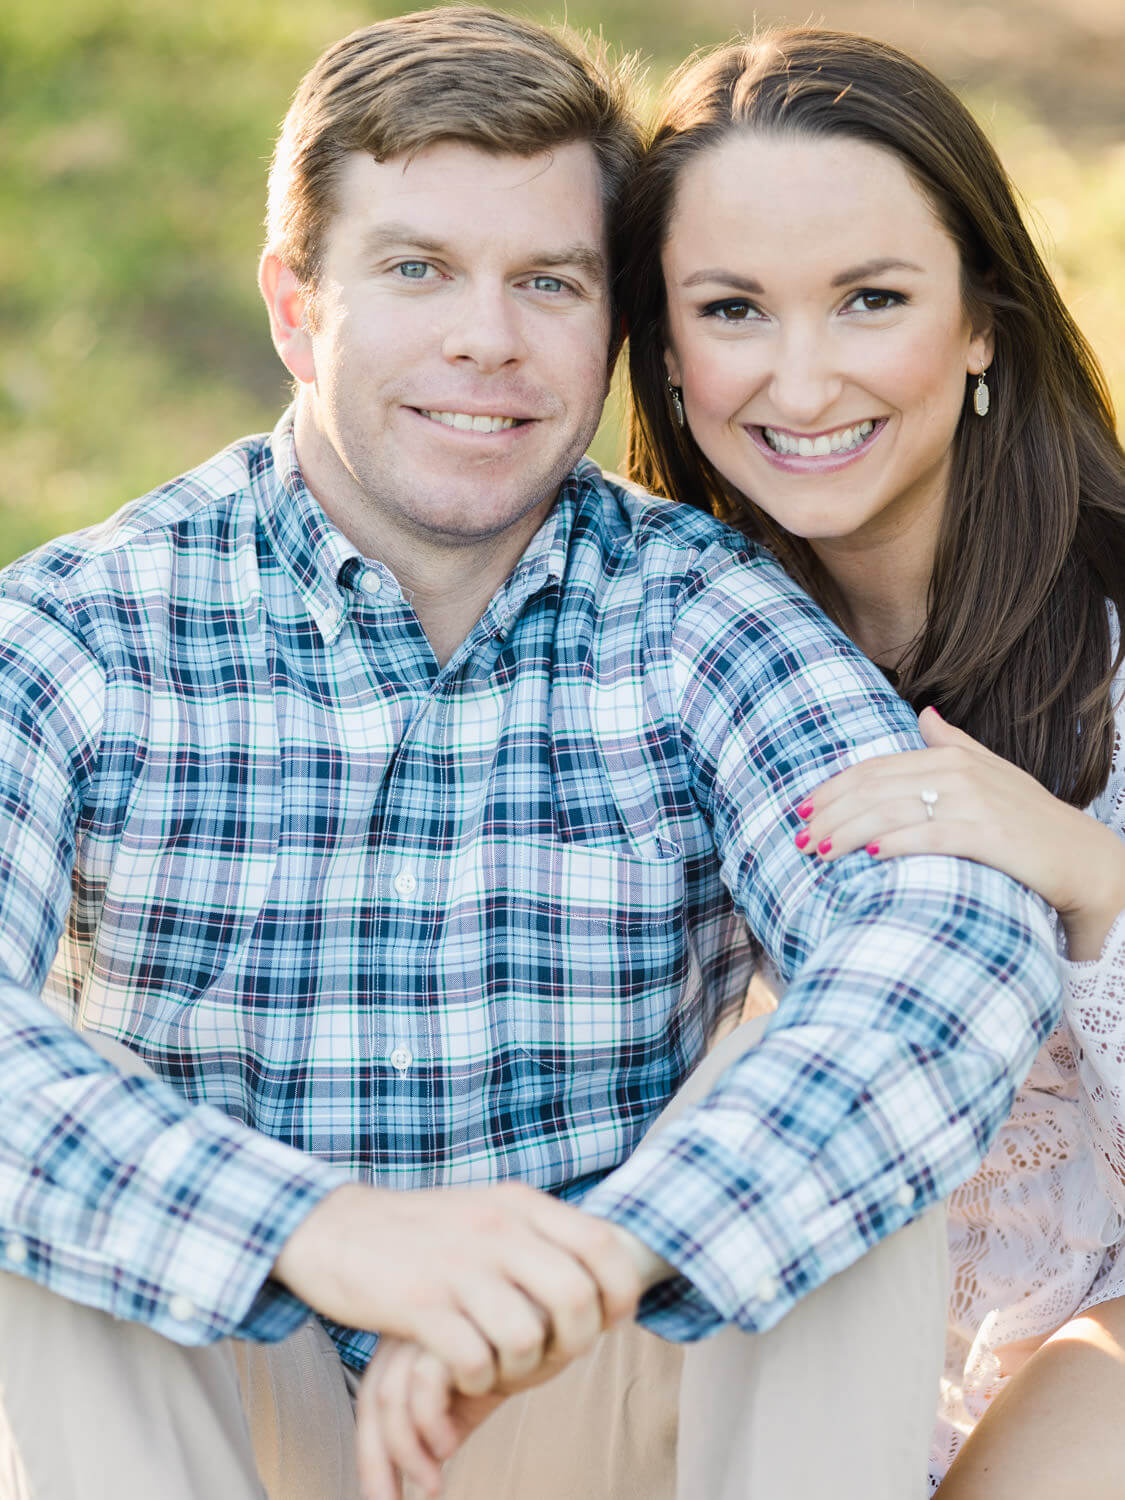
<point x="838" y="1400"/>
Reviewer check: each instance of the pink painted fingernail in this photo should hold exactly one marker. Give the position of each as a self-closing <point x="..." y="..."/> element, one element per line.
<point x="805" y="810"/>
<point x="824" y="847"/>
<point x="802" y="838"/>
<point x="933" y="710"/>
<point x="873" y="849"/>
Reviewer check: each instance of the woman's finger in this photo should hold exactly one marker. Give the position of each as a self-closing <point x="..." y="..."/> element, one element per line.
<point x="846" y="828"/>
<point x="878" y="776"/>
<point x="938" y="733"/>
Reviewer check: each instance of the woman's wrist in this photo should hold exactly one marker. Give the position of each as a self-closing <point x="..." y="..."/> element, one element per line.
<point x="1087" y="931"/>
<point x="1087" y="922"/>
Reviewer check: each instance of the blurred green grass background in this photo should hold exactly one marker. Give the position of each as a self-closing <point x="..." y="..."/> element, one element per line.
<point x="134" y="140"/>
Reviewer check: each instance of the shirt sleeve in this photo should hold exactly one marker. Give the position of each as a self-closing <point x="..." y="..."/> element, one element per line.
<point x="918" y="988"/>
<point x="114" y="1191"/>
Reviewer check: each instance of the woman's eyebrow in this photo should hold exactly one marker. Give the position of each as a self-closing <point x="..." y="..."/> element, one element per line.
<point x="727" y="278"/>
<point x="861" y="272"/>
<point x="875" y="267"/>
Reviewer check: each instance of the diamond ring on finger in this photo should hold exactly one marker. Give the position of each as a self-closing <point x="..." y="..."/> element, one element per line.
<point x="929" y="800"/>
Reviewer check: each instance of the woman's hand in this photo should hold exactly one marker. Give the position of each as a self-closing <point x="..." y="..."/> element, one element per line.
<point x="956" y="797"/>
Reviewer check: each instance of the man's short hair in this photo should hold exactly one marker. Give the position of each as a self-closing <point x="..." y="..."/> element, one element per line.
<point x="462" y="73"/>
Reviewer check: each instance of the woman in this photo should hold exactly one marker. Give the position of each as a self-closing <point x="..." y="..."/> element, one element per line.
<point x="843" y="341"/>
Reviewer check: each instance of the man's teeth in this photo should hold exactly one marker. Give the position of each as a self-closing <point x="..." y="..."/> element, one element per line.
<point x="819" y="447"/>
<point x="467" y="423"/>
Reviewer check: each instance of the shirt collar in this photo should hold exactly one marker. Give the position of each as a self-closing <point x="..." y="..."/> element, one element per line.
<point x="314" y="552"/>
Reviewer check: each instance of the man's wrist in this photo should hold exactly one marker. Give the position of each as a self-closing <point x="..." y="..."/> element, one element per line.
<point x="651" y="1268"/>
<point x="302" y="1256"/>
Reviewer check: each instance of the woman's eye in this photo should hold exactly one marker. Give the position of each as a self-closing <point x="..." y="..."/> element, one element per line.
<point x="872" y="300"/>
<point x="413" y="270"/>
<point x="731" y="310"/>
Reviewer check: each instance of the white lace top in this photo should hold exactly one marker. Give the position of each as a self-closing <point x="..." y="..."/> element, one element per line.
<point x="1038" y="1235"/>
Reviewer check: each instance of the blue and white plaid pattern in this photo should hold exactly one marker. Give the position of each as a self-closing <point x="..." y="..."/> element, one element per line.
<point x="429" y="926"/>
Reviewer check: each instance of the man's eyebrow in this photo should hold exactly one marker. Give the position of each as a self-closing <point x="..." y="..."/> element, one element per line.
<point x="862" y="272"/>
<point x="590" y="262"/>
<point x="403" y="236"/>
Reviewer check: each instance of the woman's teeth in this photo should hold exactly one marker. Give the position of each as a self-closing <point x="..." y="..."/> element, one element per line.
<point x="842" y="441"/>
<point x="467" y="423"/>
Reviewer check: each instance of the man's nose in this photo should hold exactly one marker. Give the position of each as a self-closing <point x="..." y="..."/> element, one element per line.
<point x="806" y="378"/>
<point x="485" y="327"/>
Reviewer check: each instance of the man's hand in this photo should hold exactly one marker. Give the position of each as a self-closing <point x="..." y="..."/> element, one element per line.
<point x="483" y="1278"/>
<point x="410" y="1416"/>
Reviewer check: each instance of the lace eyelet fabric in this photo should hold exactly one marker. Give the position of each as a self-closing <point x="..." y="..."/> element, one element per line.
<point x="1037" y="1236"/>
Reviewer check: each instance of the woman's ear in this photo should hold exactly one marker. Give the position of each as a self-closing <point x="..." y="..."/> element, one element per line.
<point x="672" y="365"/>
<point x="981" y="348"/>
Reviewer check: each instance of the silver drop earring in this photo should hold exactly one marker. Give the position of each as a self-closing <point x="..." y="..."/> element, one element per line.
<point x="980" y="396"/>
<point x="677" y="396"/>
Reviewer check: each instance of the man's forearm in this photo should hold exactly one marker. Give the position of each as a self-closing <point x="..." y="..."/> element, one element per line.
<point x="889" y="1064"/>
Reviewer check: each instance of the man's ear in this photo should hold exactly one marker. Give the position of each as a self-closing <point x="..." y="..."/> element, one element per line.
<point x="672" y="365"/>
<point x="285" y="300"/>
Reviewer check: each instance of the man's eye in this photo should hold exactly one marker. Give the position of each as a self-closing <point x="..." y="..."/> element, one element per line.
<point x="413" y="270"/>
<point x="547" y="284"/>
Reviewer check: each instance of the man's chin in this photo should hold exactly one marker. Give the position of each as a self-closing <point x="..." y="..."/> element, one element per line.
<point x="459" y="525"/>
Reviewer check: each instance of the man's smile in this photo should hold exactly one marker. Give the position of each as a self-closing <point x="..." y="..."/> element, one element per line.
<point x="465" y="421"/>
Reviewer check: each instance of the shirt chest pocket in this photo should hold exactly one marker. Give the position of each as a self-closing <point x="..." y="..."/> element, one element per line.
<point x="587" y="953"/>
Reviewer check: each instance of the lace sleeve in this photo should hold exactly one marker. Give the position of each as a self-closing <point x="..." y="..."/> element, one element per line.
<point x="1094" y="1006"/>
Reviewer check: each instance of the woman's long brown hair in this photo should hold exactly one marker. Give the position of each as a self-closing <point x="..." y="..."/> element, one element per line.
<point x="1017" y="647"/>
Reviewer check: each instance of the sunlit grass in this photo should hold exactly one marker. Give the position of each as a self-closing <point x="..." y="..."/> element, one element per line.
<point x="133" y="146"/>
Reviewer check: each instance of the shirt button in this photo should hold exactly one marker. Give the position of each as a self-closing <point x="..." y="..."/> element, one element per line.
<point x="16" y="1250"/>
<point x="405" y="883"/>
<point x="767" y="1289"/>
<point x="401" y="1059"/>
<point x="905" y="1196"/>
<point x="372" y="584"/>
<point x="181" y="1308"/>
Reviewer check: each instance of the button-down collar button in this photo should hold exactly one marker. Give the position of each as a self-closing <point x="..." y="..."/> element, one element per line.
<point x="767" y="1289"/>
<point x="905" y="1196"/>
<point x="405" y="883"/>
<point x="372" y="584"/>
<point x="401" y="1059"/>
<point x="181" y="1308"/>
<point x="15" y="1250"/>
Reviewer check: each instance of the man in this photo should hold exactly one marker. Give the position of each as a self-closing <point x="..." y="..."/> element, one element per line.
<point x="400" y="793"/>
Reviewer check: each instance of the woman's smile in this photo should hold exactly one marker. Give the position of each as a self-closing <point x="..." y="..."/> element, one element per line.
<point x="820" y="452"/>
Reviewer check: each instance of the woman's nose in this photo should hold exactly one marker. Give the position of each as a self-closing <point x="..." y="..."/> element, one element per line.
<point x="805" y="381"/>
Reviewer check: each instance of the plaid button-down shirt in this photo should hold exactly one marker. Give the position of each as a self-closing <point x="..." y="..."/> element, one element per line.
<point x="368" y="917"/>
